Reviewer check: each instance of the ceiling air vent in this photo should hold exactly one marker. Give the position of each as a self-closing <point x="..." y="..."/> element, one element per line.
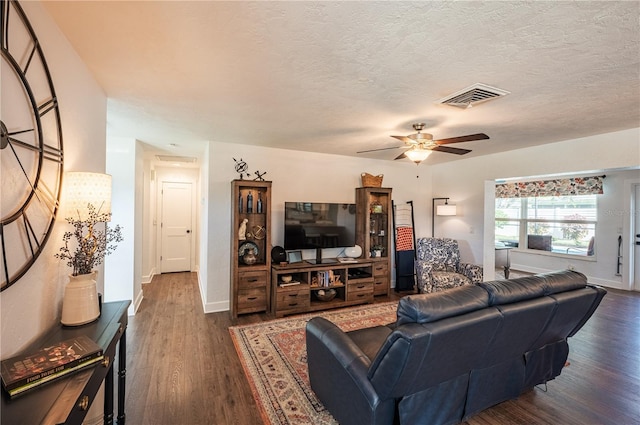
<point x="175" y="158"/>
<point x="472" y="95"/>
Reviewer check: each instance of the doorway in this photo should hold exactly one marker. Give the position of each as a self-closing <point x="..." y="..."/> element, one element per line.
<point x="636" y="237"/>
<point x="176" y="227"/>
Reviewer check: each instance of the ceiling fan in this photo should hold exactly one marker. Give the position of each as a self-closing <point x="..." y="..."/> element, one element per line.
<point x="421" y="144"/>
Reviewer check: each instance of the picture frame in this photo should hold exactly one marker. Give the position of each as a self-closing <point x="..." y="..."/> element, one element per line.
<point x="294" y="256"/>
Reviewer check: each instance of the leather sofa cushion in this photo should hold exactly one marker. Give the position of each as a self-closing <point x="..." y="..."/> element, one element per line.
<point x="369" y="340"/>
<point x="514" y="290"/>
<point x="525" y="288"/>
<point x="426" y="308"/>
<point x="562" y="281"/>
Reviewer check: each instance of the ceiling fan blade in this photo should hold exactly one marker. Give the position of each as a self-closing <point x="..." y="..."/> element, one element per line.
<point x="402" y="155"/>
<point x="381" y="149"/>
<point x="404" y="139"/>
<point x="447" y="149"/>
<point x="468" y="138"/>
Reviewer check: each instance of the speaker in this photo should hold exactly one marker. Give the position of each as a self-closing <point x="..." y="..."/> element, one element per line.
<point x="278" y="255"/>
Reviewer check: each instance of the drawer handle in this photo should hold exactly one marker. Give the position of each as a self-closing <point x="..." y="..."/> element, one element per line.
<point x="360" y="295"/>
<point x="83" y="404"/>
<point x="252" y="298"/>
<point x="293" y="304"/>
<point x="106" y="361"/>
<point x="252" y="280"/>
<point x="360" y="286"/>
<point x="379" y="268"/>
<point x="292" y="295"/>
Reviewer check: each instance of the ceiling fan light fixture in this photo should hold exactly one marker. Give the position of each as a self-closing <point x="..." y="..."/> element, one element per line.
<point x="417" y="154"/>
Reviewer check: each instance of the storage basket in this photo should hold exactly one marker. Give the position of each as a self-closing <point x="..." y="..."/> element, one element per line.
<point x="369" y="180"/>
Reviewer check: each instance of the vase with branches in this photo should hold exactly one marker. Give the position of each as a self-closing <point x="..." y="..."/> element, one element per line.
<point x="91" y="245"/>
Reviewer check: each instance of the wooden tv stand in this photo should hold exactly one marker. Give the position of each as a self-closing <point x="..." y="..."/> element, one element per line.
<point x="354" y="285"/>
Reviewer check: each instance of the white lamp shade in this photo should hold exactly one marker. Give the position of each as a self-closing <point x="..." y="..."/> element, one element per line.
<point x="446" y="209"/>
<point x="417" y="155"/>
<point x="81" y="189"/>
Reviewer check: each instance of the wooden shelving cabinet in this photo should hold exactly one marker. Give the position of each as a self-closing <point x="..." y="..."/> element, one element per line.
<point x="373" y="230"/>
<point x="354" y="284"/>
<point x="250" y="277"/>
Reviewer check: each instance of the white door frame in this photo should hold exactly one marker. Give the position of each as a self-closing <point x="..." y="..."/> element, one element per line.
<point x="628" y="233"/>
<point x="178" y="175"/>
<point x="175" y="253"/>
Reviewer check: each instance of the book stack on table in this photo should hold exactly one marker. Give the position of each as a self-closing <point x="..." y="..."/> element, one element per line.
<point x="24" y="372"/>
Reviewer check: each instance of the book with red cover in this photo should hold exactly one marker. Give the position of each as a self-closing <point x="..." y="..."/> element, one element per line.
<point x="27" y="371"/>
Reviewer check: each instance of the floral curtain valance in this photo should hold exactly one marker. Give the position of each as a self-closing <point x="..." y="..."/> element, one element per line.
<point x="557" y="187"/>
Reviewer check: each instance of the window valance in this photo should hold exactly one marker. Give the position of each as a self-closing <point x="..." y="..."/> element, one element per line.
<point x="556" y="187"/>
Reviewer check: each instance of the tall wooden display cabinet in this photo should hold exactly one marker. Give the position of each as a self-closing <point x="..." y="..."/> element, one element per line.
<point x="250" y="246"/>
<point x="374" y="233"/>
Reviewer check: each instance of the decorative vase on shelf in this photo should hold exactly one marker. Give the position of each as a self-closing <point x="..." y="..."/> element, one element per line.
<point x="80" y="303"/>
<point x="249" y="257"/>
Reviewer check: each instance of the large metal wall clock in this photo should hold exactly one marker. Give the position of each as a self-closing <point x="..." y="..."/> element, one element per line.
<point x="30" y="146"/>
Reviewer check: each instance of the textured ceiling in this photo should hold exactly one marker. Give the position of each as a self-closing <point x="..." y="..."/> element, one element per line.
<point x="339" y="77"/>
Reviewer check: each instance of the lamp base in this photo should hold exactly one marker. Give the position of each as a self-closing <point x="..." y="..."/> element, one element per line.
<point x="80" y="303"/>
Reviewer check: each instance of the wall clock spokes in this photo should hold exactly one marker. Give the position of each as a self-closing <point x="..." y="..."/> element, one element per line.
<point x="31" y="152"/>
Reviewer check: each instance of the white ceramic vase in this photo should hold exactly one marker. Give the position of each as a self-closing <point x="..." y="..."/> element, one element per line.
<point x="353" y="251"/>
<point x="80" y="303"/>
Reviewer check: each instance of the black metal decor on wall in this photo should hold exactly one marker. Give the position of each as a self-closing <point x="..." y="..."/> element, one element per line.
<point x="31" y="150"/>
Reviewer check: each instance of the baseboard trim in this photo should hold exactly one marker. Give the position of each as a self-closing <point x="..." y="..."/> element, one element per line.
<point x="214" y="307"/>
<point x="148" y="278"/>
<point x="137" y="302"/>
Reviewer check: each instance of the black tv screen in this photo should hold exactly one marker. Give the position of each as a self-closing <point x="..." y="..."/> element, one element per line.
<point x="313" y="225"/>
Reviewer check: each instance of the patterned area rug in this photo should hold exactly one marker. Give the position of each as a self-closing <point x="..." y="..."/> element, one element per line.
<point x="274" y="357"/>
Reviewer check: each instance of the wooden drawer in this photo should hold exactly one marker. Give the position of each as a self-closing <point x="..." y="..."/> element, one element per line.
<point x="363" y="296"/>
<point x="381" y="286"/>
<point x="291" y="300"/>
<point x="361" y="287"/>
<point x="381" y="269"/>
<point x="252" y="300"/>
<point x="252" y="279"/>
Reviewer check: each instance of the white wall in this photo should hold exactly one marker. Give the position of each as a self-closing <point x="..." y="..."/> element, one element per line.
<point x="33" y="304"/>
<point x="464" y="182"/>
<point x="296" y="176"/>
<point x="148" y="220"/>
<point x="123" y="268"/>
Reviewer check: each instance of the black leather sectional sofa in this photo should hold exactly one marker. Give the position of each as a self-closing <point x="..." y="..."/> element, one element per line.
<point x="450" y="354"/>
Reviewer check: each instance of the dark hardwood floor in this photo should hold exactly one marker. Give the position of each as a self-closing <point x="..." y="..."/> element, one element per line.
<point x="182" y="367"/>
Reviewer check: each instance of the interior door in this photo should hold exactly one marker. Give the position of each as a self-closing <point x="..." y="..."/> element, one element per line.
<point x="636" y="239"/>
<point x="175" y="227"/>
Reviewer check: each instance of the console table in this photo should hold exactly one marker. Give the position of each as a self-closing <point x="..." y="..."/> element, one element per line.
<point x="354" y="285"/>
<point x="67" y="400"/>
<point x="507" y="264"/>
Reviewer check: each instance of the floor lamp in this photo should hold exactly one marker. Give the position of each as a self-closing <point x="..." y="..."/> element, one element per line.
<point x="444" y="209"/>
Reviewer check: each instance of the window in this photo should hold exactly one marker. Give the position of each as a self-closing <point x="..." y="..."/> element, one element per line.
<point x="558" y="224"/>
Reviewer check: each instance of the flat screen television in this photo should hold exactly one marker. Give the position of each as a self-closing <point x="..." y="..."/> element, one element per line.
<point x="318" y="225"/>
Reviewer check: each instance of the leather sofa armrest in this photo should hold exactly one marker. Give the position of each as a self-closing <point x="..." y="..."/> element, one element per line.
<point x="321" y="333"/>
<point x="338" y="375"/>
<point x="472" y="271"/>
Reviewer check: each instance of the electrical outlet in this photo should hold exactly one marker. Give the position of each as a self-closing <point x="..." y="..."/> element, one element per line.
<point x="472" y="229"/>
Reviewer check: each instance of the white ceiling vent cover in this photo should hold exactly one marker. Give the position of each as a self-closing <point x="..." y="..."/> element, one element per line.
<point x="473" y="95"/>
<point x="175" y="158"/>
